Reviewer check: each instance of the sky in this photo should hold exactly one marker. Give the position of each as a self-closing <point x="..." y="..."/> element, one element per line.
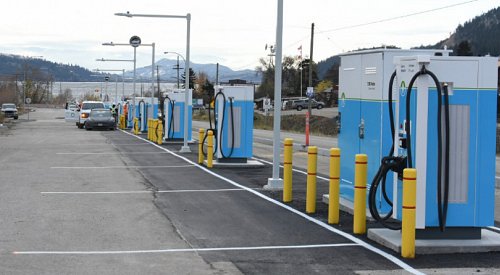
<point x="232" y="33"/>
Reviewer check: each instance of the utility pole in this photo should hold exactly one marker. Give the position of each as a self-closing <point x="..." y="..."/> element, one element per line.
<point x="178" y="76"/>
<point x="310" y="85"/>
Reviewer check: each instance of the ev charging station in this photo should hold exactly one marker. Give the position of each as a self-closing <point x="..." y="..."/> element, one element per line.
<point x="454" y="153"/>
<point x="233" y="115"/>
<point x="141" y="106"/>
<point x="456" y="194"/>
<point x="364" y="127"/>
<point x="174" y="105"/>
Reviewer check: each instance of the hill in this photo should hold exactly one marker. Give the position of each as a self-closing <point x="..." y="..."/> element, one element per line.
<point x="19" y="65"/>
<point x="480" y="34"/>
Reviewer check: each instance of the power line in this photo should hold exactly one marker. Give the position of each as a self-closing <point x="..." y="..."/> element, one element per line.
<point x="397" y="17"/>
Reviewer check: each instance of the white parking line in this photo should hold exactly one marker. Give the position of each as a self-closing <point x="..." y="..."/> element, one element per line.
<point x="348" y="236"/>
<point x="119" y="167"/>
<point x="142" y="191"/>
<point x="181" y="250"/>
<point x="106" y="144"/>
<point x="111" y="153"/>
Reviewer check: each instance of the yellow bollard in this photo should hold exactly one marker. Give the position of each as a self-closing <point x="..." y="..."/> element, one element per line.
<point x="200" y="145"/>
<point x="409" y="209"/>
<point x="159" y="132"/>
<point x="287" y="170"/>
<point x="136" y="126"/>
<point x="210" y="148"/>
<point x="154" y="130"/>
<point x="359" y="224"/>
<point x="312" y="160"/>
<point x="334" y="194"/>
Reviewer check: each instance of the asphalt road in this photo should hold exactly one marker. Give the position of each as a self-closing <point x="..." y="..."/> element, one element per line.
<point x="107" y="202"/>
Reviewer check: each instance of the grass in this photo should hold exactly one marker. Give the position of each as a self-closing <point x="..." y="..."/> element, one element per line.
<point x="319" y="125"/>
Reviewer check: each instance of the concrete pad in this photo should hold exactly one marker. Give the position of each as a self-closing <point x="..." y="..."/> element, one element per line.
<point x="489" y="242"/>
<point x="249" y="164"/>
<point x="348" y="206"/>
<point x="177" y="141"/>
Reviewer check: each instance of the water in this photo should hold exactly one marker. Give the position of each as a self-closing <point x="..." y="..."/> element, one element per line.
<point x="78" y="89"/>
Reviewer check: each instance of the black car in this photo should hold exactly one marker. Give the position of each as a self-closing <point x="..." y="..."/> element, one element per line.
<point x="100" y="118"/>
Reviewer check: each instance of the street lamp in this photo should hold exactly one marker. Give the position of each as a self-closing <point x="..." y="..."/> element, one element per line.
<point x="118" y="60"/>
<point x="178" y="55"/>
<point x="24" y="78"/>
<point x="116" y="81"/>
<point x="185" y="148"/>
<point x="152" y="45"/>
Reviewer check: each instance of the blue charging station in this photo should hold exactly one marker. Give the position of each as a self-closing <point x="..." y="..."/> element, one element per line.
<point x="234" y="123"/>
<point x="364" y="126"/>
<point x="174" y="105"/>
<point x="468" y="87"/>
<point x="142" y="108"/>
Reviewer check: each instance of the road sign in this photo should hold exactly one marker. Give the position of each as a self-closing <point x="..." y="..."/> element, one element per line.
<point x="135" y="41"/>
<point x="28" y="100"/>
<point x="310" y="92"/>
<point x="106" y="78"/>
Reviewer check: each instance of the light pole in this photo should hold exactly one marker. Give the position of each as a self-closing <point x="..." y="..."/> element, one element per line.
<point x="276" y="182"/>
<point x="152" y="45"/>
<point x="116" y="81"/>
<point x="185" y="148"/>
<point x="24" y="78"/>
<point x="123" y="70"/>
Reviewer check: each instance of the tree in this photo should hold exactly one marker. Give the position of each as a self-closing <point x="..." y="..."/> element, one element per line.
<point x="290" y="77"/>
<point x="192" y="78"/>
<point x="9" y="89"/>
<point x="204" y="88"/>
<point x="62" y="98"/>
<point x="464" y="49"/>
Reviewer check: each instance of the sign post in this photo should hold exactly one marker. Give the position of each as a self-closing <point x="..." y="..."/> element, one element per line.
<point x="28" y="101"/>
<point x="310" y="95"/>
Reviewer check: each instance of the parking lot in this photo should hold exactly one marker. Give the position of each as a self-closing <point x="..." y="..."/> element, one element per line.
<point x="108" y="202"/>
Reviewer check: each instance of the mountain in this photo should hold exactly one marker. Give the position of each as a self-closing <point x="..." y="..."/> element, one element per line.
<point x="11" y="65"/>
<point x="168" y="72"/>
<point x="481" y="35"/>
<point x="37" y="67"/>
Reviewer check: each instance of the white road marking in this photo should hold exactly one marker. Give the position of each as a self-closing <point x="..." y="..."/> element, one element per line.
<point x="358" y="241"/>
<point x="119" y="167"/>
<point x="180" y="250"/>
<point x="142" y="191"/>
<point x="111" y="153"/>
<point x="102" y="144"/>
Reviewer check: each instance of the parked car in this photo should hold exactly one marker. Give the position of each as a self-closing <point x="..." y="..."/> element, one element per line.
<point x="9" y="110"/>
<point x="300" y="104"/>
<point x="100" y="118"/>
<point x="84" y="111"/>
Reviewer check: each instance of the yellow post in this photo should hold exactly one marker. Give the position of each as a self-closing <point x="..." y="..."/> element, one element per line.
<point x="122" y="122"/>
<point x="150" y="124"/>
<point x="409" y="209"/>
<point x="200" y="145"/>
<point x="312" y="160"/>
<point x="159" y="133"/>
<point x="334" y="194"/>
<point x="210" y="148"/>
<point x="136" y="126"/>
<point x="287" y="170"/>
<point x="359" y="225"/>
<point x="154" y="130"/>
